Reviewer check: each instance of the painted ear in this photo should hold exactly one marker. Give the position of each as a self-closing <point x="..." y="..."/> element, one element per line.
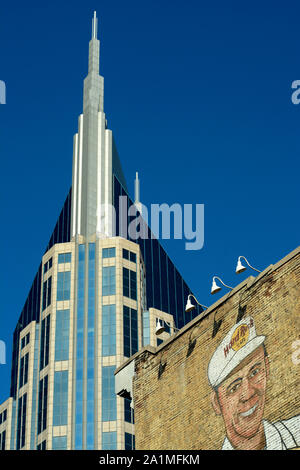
<point x="215" y="403"/>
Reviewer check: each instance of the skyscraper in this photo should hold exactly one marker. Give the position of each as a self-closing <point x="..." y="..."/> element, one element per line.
<point x="93" y="303"/>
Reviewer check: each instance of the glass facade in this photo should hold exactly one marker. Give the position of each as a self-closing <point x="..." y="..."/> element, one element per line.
<point x="25" y="340"/>
<point x="108" y="330"/>
<point x="64" y="258"/>
<point x="2" y="440"/>
<point x="42" y="404"/>
<point x="62" y="335"/>
<point x="21" y="423"/>
<point x="109" y="399"/>
<point x="166" y="290"/>
<point x="79" y="348"/>
<point x="109" y="440"/>
<point x="60" y="399"/>
<point x="108" y="252"/>
<point x="128" y="411"/>
<point x="47" y="288"/>
<point x="129" y="284"/>
<point x="129" y="441"/>
<point x="108" y="280"/>
<point x="45" y="333"/>
<point x="130" y="331"/>
<point x="146" y="328"/>
<point x="23" y="370"/>
<point x="63" y="285"/>
<point x="90" y="399"/>
<point x="59" y="443"/>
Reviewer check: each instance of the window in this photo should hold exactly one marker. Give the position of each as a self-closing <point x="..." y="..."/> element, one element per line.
<point x="109" y="440"/>
<point x="48" y="265"/>
<point x="129" y="441"/>
<point x="146" y="328"/>
<point x="108" y="280"/>
<point x="60" y="400"/>
<point x="59" y="443"/>
<point x="47" y="292"/>
<point x="23" y="370"/>
<point x="62" y="335"/>
<point x="129" y="284"/>
<point x="108" y="252"/>
<point x="25" y="340"/>
<point x="63" y="285"/>
<point x="3" y="416"/>
<point x="21" y="422"/>
<point x="64" y="258"/>
<point x="42" y="445"/>
<point x="2" y="440"/>
<point x="79" y="350"/>
<point x="108" y="330"/>
<point x="130" y="331"/>
<point x="128" y="411"/>
<point x="43" y="401"/>
<point x="109" y="401"/>
<point x="129" y="255"/>
<point x="45" y="332"/>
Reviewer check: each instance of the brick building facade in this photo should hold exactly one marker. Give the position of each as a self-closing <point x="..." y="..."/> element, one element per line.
<point x="229" y="378"/>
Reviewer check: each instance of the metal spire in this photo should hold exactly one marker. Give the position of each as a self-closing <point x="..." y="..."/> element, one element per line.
<point x="94" y="26"/>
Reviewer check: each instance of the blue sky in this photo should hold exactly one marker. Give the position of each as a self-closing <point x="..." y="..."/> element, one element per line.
<point x="198" y="95"/>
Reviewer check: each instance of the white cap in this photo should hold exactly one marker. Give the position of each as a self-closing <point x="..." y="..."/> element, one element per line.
<point x="241" y="341"/>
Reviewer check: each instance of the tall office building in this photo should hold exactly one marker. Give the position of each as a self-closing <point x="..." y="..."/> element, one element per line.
<point x="93" y="303"/>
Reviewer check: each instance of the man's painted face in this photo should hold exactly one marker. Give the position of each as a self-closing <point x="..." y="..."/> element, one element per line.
<point x="241" y="397"/>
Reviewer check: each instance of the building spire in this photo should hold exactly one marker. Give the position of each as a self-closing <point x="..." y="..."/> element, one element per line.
<point x="95" y="26"/>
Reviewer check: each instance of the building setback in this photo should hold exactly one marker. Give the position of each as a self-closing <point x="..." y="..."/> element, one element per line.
<point x="230" y="378"/>
<point x="93" y="303"/>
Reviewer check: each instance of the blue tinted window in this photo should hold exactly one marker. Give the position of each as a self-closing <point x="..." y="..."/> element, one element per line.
<point x="108" y="252"/>
<point x="63" y="285"/>
<point x="146" y="328"/>
<point x="60" y="399"/>
<point x="64" y="258"/>
<point x="108" y="280"/>
<point x="108" y="330"/>
<point x="90" y="349"/>
<point x="59" y="443"/>
<point x="79" y="350"/>
<point x="109" y="401"/>
<point x="109" y="440"/>
<point x="62" y="335"/>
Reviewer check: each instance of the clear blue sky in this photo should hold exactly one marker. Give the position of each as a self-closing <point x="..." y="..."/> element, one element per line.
<point x="198" y="95"/>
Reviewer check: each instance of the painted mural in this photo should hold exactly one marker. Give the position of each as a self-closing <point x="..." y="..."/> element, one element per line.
<point x="238" y="374"/>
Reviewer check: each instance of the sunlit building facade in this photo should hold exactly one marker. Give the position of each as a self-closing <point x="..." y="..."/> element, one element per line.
<point x="94" y="302"/>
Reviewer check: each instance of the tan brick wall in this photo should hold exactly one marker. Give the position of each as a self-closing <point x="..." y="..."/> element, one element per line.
<point x="175" y="411"/>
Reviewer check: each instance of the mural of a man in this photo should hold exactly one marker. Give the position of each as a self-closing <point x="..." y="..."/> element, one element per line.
<point x="238" y="373"/>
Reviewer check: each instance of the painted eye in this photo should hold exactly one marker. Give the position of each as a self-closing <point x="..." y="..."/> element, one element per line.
<point x="255" y="372"/>
<point x="234" y="388"/>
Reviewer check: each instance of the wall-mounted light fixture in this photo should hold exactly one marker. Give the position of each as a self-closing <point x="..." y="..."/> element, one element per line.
<point x="215" y="288"/>
<point x="241" y="268"/>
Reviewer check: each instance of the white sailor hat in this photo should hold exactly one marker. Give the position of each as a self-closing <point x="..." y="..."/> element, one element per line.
<point x="239" y="342"/>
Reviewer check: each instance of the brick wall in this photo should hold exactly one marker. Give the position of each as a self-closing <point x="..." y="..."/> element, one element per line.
<point x="175" y="405"/>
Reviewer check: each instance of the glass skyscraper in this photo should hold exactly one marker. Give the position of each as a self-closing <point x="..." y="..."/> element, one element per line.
<point x="93" y="303"/>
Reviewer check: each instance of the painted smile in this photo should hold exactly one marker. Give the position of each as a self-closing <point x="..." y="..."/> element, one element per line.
<point x="249" y="412"/>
